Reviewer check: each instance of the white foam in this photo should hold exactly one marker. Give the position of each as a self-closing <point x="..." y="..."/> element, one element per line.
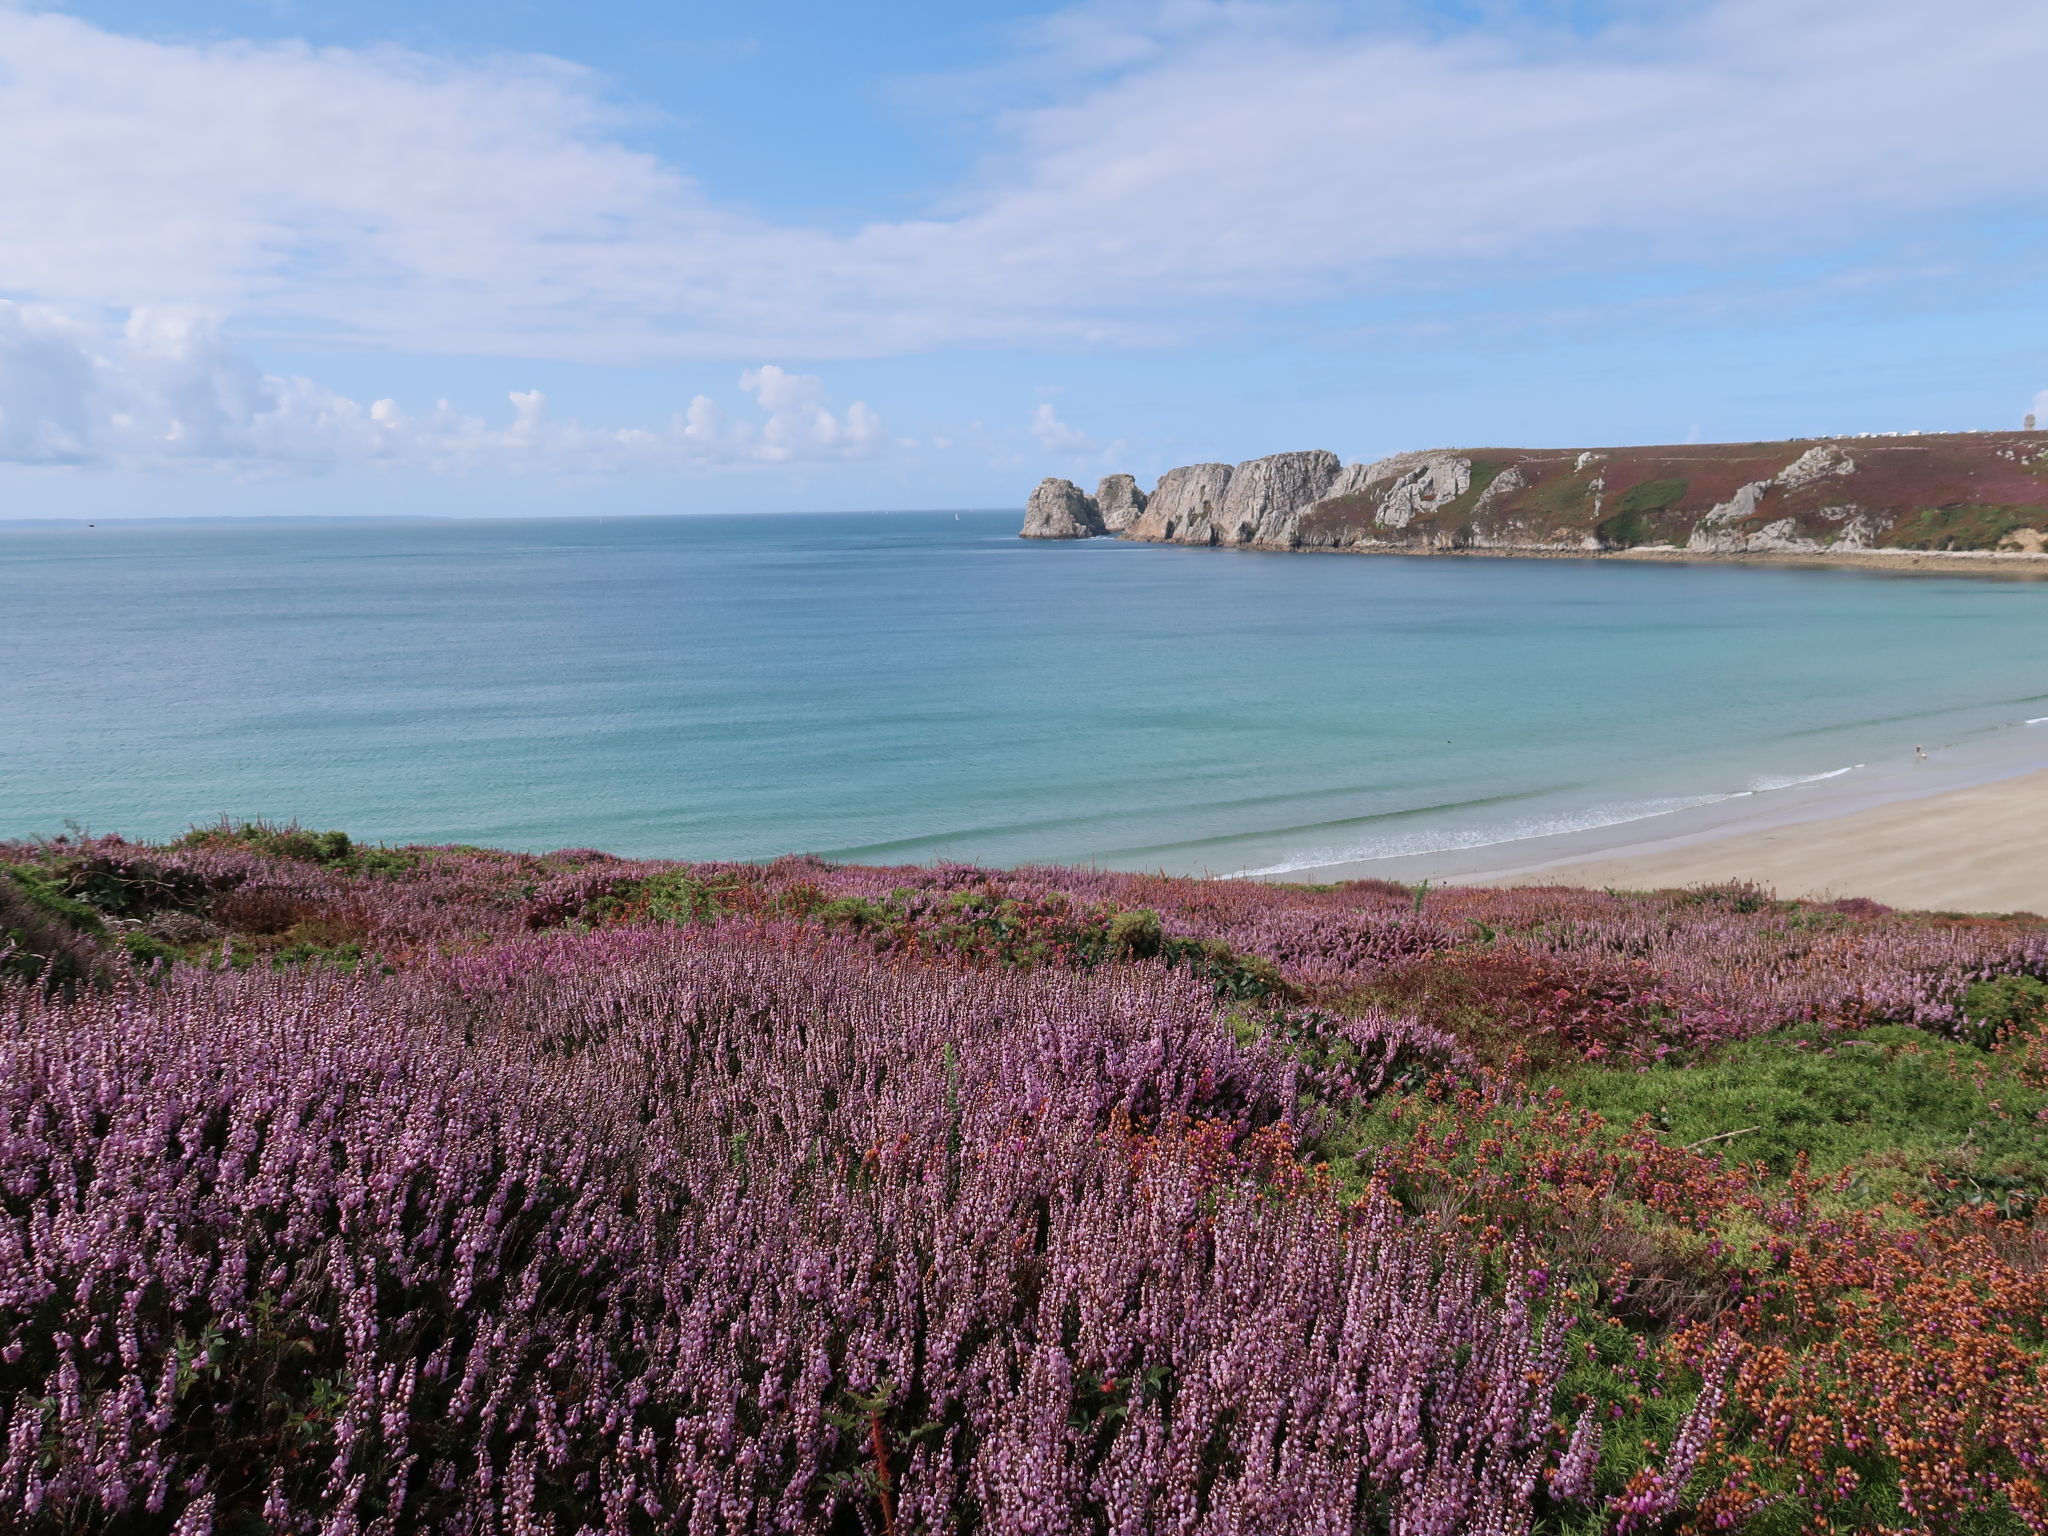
<point x="1447" y="841"/>
<point x="1592" y="819"/>
<point x="1764" y="786"/>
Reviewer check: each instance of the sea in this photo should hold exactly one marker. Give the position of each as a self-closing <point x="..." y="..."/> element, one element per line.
<point x="918" y="686"/>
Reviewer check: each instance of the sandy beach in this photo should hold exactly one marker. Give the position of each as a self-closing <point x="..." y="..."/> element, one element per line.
<point x="1982" y="849"/>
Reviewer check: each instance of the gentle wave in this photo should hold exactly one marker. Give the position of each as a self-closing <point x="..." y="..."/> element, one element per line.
<point x="1765" y="786"/>
<point x="1591" y="820"/>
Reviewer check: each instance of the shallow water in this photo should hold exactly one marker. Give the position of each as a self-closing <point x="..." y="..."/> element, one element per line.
<point x="912" y="686"/>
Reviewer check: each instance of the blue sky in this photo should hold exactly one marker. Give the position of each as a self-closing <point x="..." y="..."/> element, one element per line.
<point x="470" y="259"/>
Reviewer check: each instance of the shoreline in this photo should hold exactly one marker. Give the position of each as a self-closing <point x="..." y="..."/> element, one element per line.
<point x="1975" y="847"/>
<point x="1950" y="562"/>
<point x="1981" y="849"/>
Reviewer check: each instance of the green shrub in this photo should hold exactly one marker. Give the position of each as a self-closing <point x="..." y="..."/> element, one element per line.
<point x="1623" y="530"/>
<point x="42" y="894"/>
<point x="1629" y="524"/>
<point x="1237" y="977"/>
<point x="678" y="897"/>
<point x="341" y="957"/>
<point x="147" y="949"/>
<point x="1135" y="933"/>
<point x="1652" y="496"/>
<point x="2006" y="1005"/>
<point x="331" y="848"/>
<point x="1967" y="526"/>
<point x="1894" y="1100"/>
<point x="45" y="935"/>
<point x="125" y="882"/>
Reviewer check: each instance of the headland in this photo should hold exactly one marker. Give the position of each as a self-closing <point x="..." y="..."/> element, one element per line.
<point x="1931" y="502"/>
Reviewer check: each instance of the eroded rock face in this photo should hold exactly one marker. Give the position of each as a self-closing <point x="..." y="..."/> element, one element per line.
<point x="1059" y="510"/>
<point x="1267" y="497"/>
<point x="1439" y="478"/>
<point x="1184" y="507"/>
<point x="1404" y="485"/>
<point x="1958" y="492"/>
<point x="1714" y="535"/>
<point x="1816" y="464"/>
<point x="1119" y="501"/>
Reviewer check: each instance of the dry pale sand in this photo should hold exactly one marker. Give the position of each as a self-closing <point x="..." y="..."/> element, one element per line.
<point x="1970" y="850"/>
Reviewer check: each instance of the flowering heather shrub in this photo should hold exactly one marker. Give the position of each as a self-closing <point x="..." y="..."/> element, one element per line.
<point x="1541" y="1007"/>
<point x="1348" y="1061"/>
<point x="437" y="1189"/>
<point x="1632" y="975"/>
<point x="727" y="1228"/>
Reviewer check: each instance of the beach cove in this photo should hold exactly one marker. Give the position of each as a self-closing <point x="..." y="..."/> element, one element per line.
<point x="904" y="688"/>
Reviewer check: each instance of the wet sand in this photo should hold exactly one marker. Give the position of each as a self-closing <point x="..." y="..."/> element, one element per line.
<point x="1982" y="849"/>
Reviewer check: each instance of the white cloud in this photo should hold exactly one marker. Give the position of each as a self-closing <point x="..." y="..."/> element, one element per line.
<point x="168" y="389"/>
<point x="798" y="425"/>
<point x="1055" y="436"/>
<point x="1200" y="159"/>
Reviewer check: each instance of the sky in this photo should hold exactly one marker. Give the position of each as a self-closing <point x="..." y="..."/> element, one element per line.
<point x="450" y="258"/>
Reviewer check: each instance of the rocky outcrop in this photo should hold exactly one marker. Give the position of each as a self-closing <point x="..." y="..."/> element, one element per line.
<point x="1722" y="532"/>
<point x="1119" y="501"/>
<point x="1983" y="492"/>
<point x="1266" y="497"/>
<point x="1059" y="510"/>
<point x="1408" y="484"/>
<point x="1815" y="464"/>
<point x="1183" y="508"/>
<point x="1256" y="503"/>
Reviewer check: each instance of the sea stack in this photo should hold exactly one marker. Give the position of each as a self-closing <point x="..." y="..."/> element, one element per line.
<point x="1119" y="501"/>
<point x="1058" y="509"/>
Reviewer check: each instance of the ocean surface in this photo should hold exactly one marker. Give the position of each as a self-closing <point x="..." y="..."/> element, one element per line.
<point x="916" y="686"/>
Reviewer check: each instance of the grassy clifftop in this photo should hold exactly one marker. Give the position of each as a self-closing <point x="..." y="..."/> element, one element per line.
<point x="1960" y="492"/>
<point x="1980" y="493"/>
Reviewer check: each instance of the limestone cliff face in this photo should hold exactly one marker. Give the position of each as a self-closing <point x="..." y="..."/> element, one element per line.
<point x="1266" y="497"/>
<point x="1733" y="527"/>
<point x="1256" y="503"/>
<point x="1119" y="501"/>
<point x="1981" y="491"/>
<point x="1399" y="488"/>
<point x="1058" y="510"/>
<point x="1183" y="509"/>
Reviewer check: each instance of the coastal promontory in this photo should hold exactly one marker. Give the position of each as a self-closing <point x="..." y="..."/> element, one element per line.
<point x="1971" y="492"/>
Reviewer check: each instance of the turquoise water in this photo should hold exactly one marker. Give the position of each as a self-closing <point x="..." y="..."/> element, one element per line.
<point x="913" y="686"/>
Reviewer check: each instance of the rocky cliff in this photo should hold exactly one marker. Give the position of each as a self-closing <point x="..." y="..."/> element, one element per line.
<point x="1059" y="510"/>
<point x="1984" y="492"/>
<point x="1119" y="501"/>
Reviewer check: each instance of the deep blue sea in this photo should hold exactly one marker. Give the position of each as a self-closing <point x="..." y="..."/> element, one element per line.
<point x="912" y="686"/>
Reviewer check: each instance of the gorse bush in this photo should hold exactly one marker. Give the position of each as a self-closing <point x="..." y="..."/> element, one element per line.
<point x="355" y="1190"/>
